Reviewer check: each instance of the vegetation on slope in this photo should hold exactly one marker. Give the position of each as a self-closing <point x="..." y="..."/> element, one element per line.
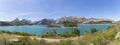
<point x="16" y="33"/>
<point x="97" y="38"/>
<point x="53" y="34"/>
<point x="101" y="37"/>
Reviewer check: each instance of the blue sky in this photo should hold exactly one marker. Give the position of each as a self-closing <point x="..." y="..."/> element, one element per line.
<point x="39" y="9"/>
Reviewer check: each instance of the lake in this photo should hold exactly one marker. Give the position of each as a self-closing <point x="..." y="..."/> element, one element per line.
<point x="42" y="29"/>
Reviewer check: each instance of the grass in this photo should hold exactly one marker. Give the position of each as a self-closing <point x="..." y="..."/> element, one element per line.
<point x="8" y="36"/>
<point x="118" y="43"/>
<point x="118" y="38"/>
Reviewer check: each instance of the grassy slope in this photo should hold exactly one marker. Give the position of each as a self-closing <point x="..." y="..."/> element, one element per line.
<point x="118" y="38"/>
<point x="85" y="38"/>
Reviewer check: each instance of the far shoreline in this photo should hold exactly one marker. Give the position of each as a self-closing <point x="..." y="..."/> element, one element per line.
<point x="58" y="24"/>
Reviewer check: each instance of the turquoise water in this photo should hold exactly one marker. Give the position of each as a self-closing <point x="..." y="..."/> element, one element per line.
<point x="41" y="29"/>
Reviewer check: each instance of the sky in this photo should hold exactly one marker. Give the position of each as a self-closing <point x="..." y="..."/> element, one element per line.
<point x="40" y="9"/>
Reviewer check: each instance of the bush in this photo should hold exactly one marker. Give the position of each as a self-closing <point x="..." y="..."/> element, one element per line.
<point x="76" y="32"/>
<point x="93" y="30"/>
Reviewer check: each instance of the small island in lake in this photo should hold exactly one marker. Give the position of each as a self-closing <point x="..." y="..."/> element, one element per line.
<point x="53" y="26"/>
<point x="70" y="25"/>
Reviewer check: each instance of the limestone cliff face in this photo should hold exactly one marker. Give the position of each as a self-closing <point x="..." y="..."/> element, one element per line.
<point x="75" y="19"/>
<point x="72" y="19"/>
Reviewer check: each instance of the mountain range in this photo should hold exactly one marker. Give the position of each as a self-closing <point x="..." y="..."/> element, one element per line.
<point x="62" y="20"/>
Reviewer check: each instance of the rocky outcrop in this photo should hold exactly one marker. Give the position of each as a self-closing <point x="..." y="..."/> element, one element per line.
<point x="45" y="22"/>
<point x="20" y="22"/>
<point x="71" y="19"/>
<point x="98" y="20"/>
<point x="78" y="19"/>
<point x="26" y="22"/>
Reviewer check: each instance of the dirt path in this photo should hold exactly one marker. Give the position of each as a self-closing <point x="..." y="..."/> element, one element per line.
<point x="16" y="38"/>
<point x="53" y="40"/>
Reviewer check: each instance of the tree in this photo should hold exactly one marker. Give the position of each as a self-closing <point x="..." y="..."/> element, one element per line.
<point x="54" y="31"/>
<point x="76" y="32"/>
<point x="93" y="30"/>
<point x="86" y="33"/>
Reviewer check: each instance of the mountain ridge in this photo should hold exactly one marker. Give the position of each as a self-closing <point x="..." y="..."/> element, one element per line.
<point x="62" y="20"/>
